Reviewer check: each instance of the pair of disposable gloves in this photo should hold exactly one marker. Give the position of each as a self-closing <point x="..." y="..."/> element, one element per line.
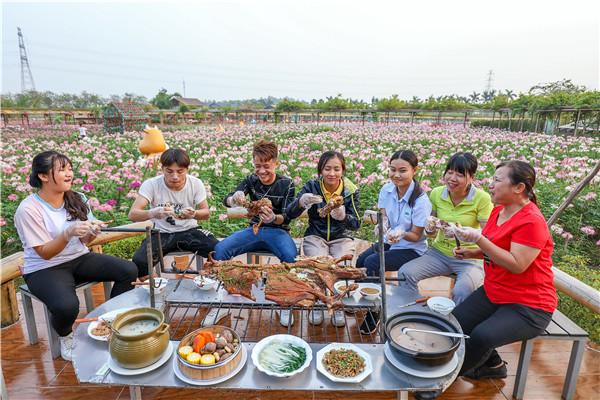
<point x="307" y="200"/>
<point x="464" y="234"/>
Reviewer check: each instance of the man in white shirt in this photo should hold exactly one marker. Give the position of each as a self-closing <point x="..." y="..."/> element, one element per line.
<point x="177" y="201"/>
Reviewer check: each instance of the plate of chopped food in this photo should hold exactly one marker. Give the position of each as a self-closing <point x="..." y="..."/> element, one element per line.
<point x="281" y="355"/>
<point x="99" y="329"/>
<point x="344" y="362"/>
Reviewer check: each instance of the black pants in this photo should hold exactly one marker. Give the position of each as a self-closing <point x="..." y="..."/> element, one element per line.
<point x="191" y="240"/>
<point x="493" y="325"/>
<point x="55" y="286"/>
<point x="394" y="259"/>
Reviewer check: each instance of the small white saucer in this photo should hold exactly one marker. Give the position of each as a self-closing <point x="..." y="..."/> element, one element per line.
<point x="117" y="369"/>
<point x="414" y="368"/>
<point x="107" y="316"/>
<point x="209" y="382"/>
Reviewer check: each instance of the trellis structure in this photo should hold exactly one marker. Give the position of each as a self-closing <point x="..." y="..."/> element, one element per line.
<point x="126" y="116"/>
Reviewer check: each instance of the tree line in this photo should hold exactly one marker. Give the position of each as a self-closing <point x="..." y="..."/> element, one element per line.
<point x="539" y="97"/>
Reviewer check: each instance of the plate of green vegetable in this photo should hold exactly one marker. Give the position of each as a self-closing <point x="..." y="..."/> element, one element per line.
<point x="281" y="355"/>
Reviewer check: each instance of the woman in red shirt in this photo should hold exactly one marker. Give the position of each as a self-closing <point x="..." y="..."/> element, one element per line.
<point x="517" y="298"/>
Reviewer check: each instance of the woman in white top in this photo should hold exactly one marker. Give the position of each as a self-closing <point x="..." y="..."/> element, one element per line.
<point x="54" y="225"/>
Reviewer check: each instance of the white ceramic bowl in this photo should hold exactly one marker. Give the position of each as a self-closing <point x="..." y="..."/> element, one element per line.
<point x="206" y="283"/>
<point x="442" y="305"/>
<point x="369" y="297"/>
<point x="348" y="346"/>
<point x="340" y="284"/>
<point x="283" y="338"/>
<point x="160" y="282"/>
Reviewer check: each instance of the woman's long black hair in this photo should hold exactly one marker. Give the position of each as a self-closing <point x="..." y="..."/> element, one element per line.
<point x="44" y="163"/>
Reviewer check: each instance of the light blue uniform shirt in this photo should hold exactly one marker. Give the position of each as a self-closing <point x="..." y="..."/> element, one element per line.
<point x="400" y="214"/>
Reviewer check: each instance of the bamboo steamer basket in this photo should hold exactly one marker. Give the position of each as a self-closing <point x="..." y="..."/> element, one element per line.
<point x="209" y="372"/>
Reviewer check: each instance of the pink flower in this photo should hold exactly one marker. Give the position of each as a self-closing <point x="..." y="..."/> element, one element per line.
<point x="567" y="236"/>
<point x="12" y="197"/>
<point x="222" y="217"/>
<point x="588" y="230"/>
<point x="2" y="221"/>
<point x="135" y="185"/>
<point x="88" y="187"/>
<point x="589" y="196"/>
<point x="105" y="207"/>
<point x="93" y="202"/>
<point x="112" y="202"/>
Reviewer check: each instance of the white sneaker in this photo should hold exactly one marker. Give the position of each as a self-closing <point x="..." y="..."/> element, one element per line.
<point x="338" y="318"/>
<point x="315" y="317"/>
<point x="214" y="316"/>
<point x="286" y="318"/>
<point x="66" y="347"/>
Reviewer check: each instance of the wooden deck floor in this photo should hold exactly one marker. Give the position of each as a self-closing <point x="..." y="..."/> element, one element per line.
<point x="31" y="373"/>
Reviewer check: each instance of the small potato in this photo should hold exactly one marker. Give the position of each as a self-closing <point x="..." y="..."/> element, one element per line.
<point x="209" y="347"/>
<point x="228" y="336"/>
<point x="221" y="342"/>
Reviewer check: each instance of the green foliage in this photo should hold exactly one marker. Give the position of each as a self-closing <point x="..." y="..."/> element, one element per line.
<point x="183" y="108"/>
<point x="391" y="104"/>
<point x="578" y="267"/>
<point x="290" y="105"/>
<point x="162" y="99"/>
<point x="123" y="248"/>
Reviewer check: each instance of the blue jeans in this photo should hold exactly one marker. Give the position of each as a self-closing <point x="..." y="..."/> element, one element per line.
<point x="394" y="259"/>
<point x="275" y="240"/>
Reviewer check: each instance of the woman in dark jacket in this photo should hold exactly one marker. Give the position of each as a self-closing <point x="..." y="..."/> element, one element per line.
<point x="328" y="235"/>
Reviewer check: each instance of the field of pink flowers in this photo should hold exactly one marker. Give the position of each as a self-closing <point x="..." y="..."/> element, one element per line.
<point x="109" y="168"/>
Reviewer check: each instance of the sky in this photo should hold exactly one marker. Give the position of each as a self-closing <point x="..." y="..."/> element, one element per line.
<point x="306" y="49"/>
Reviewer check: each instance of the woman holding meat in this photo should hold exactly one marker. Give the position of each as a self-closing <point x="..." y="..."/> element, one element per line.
<point x="328" y="233"/>
<point x="54" y="224"/>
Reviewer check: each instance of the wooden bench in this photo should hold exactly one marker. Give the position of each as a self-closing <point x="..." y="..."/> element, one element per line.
<point x="560" y="328"/>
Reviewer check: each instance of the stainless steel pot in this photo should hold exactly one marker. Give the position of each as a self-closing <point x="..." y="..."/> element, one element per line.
<point x="435" y="322"/>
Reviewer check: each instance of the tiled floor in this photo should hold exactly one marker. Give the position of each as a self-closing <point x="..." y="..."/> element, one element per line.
<point x="30" y="373"/>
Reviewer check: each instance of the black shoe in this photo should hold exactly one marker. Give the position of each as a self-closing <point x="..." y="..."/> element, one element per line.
<point x="496" y="372"/>
<point x="428" y="395"/>
<point x="370" y="324"/>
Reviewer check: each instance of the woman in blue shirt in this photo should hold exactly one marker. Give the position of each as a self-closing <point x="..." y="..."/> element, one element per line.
<point x="405" y="208"/>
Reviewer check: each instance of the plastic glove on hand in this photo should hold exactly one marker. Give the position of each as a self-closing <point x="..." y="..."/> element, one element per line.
<point x="267" y="215"/>
<point x="238" y="198"/>
<point x="160" y="212"/>
<point x="338" y="214"/>
<point x="394" y="235"/>
<point x="467" y="234"/>
<point x="76" y="229"/>
<point x="308" y="200"/>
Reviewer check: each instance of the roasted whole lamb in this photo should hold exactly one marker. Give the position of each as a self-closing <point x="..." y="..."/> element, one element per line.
<point x="335" y="202"/>
<point x="301" y="283"/>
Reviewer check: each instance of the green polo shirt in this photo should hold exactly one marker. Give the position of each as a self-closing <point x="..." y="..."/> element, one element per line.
<point x="473" y="210"/>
